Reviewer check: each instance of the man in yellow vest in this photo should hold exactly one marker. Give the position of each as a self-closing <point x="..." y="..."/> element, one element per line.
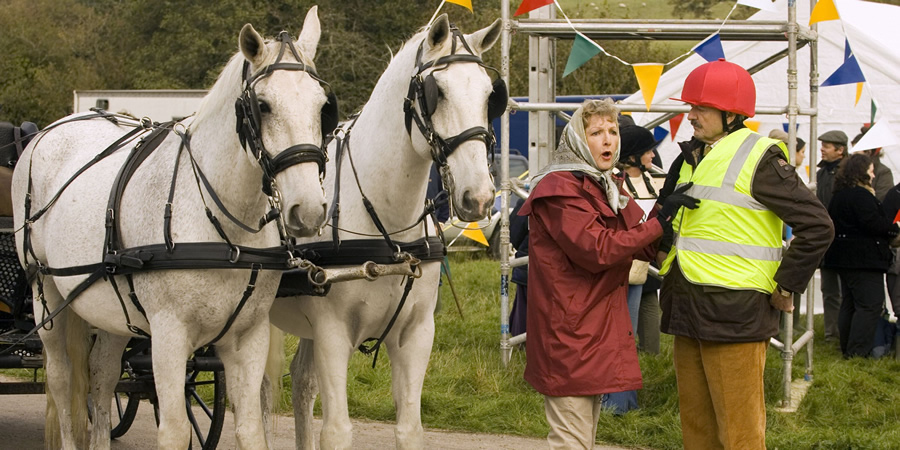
<point x="726" y="277"/>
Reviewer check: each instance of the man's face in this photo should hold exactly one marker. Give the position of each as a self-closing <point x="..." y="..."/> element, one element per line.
<point x="831" y="152"/>
<point x="707" y="123"/>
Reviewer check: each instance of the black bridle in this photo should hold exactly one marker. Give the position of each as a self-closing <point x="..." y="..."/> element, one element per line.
<point x="249" y="119"/>
<point x="423" y="93"/>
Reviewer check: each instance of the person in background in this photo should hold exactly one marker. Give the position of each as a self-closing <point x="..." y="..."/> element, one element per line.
<point x="518" y="238"/>
<point x="726" y="278"/>
<point x="584" y="231"/>
<point x="799" y="156"/>
<point x="634" y="158"/>
<point x="860" y="253"/>
<point x="833" y="150"/>
<point x="891" y="206"/>
<point x="884" y="178"/>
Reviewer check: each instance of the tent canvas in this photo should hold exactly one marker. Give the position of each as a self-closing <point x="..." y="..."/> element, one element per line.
<point x="868" y="27"/>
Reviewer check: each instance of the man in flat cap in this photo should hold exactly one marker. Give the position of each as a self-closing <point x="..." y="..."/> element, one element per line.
<point x="833" y="151"/>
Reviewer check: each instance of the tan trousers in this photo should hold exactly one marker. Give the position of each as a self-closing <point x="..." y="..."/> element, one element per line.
<point x="720" y="394"/>
<point x="573" y="421"/>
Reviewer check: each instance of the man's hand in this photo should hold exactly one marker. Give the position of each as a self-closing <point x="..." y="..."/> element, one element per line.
<point x="781" y="302"/>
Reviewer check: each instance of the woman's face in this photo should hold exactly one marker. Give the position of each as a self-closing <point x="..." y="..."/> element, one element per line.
<point x="800" y="156"/>
<point x="871" y="173"/>
<point x="647" y="159"/>
<point x="602" y="139"/>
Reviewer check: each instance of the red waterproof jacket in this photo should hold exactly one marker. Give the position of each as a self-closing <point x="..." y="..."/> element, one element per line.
<point x="580" y="340"/>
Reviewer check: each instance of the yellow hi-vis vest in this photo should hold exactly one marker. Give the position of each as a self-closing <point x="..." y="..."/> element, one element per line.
<point x="730" y="240"/>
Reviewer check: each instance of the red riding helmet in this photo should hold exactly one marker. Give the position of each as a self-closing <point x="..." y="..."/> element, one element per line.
<point x="722" y="85"/>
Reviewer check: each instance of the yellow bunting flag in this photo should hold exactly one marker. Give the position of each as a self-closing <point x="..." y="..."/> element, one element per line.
<point x="752" y="124"/>
<point x="859" y="87"/>
<point x="648" y="77"/>
<point x="474" y="233"/>
<point x="466" y="3"/>
<point x="823" y="11"/>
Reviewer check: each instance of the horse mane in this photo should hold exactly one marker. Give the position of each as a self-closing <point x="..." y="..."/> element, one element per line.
<point x="230" y="82"/>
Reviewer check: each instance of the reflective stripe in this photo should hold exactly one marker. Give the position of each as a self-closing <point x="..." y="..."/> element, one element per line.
<point x="738" y="161"/>
<point x="726" y="193"/>
<point x="728" y="196"/>
<point x="729" y="249"/>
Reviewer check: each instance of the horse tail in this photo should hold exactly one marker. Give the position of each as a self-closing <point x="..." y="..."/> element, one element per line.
<point x="275" y="367"/>
<point x="78" y="346"/>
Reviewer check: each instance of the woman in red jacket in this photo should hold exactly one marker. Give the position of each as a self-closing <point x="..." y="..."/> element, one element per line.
<point x="584" y="232"/>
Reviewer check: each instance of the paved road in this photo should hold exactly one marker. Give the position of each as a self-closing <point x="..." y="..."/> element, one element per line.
<point x="22" y="427"/>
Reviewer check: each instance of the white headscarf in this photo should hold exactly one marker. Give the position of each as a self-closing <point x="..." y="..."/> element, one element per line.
<point x="573" y="155"/>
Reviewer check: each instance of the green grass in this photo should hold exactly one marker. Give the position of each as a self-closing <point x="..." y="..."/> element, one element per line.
<point x="851" y="403"/>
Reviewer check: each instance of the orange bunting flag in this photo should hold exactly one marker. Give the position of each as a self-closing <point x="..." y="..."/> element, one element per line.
<point x="859" y="88"/>
<point x="823" y="11"/>
<point x="674" y="124"/>
<point x="465" y="3"/>
<point x="648" y="78"/>
<point x="529" y="5"/>
<point x="897" y="217"/>
<point x="752" y="124"/>
<point x="474" y="233"/>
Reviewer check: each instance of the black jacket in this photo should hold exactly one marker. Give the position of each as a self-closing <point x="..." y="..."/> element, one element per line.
<point x="862" y="232"/>
<point x="825" y="180"/>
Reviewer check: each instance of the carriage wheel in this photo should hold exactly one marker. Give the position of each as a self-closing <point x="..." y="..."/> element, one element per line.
<point x="207" y="419"/>
<point x="126" y="409"/>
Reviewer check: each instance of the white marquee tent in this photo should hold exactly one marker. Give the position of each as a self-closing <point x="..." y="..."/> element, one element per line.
<point x="871" y="30"/>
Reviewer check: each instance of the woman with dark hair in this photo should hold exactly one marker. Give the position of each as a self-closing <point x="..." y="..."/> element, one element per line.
<point x="860" y="253"/>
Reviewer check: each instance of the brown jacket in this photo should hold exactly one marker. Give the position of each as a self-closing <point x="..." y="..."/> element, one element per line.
<point x="726" y="315"/>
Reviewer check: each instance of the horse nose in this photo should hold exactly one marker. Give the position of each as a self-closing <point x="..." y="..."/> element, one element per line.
<point x="476" y="207"/>
<point x="307" y="224"/>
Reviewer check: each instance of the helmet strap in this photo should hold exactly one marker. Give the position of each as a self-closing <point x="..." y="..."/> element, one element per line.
<point x="735" y="125"/>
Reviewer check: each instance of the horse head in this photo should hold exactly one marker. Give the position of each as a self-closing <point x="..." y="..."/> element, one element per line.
<point x="455" y="99"/>
<point x="284" y="113"/>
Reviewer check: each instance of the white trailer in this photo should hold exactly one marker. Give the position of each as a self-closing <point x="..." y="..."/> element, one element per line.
<point x="160" y="105"/>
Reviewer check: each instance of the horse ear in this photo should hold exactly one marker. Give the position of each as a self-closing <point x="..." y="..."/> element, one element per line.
<point x="485" y="38"/>
<point x="251" y="44"/>
<point x="310" y="34"/>
<point x="438" y="33"/>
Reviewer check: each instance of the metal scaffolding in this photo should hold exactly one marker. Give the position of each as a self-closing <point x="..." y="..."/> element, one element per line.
<point x="543" y="30"/>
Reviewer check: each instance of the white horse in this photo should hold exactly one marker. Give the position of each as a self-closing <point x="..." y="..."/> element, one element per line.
<point x="392" y="158"/>
<point x="282" y="106"/>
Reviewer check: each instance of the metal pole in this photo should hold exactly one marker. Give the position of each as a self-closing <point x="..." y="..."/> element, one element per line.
<point x="812" y="152"/>
<point x="787" y="352"/>
<point x="505" y="347"/>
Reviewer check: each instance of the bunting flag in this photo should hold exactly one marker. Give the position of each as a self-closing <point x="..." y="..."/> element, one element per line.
<point x="823" y="11"/>
<point x="583" y="49"/>
<point x="711" y="48"/>
<point x="465" y="3"/>
<point x="785" y="125"/>
<point x="765" y="5"/>
<point x="529" y="5"/>
<point x="848" y="73"/>
<point x="859" y="88"/>
<point x="752" y="124"/>
<point x="660" y="133"/>
<point x="872" y="116"/>
<point x="878" y="136"/>
<point x="674" y="124"/>
<point x="897" y="217"/>
<point x="648" y="77"/>
<point x="474" y="233"/>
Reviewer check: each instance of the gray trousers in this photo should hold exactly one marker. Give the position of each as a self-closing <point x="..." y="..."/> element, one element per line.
<point x="831" y="300"/>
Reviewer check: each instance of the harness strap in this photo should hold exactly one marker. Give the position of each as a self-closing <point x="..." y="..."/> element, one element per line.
<point x="138" y="155"/>
<point x="376" y="347"/>
<point x="354" y="251"/>
<point x="251" y="286"/>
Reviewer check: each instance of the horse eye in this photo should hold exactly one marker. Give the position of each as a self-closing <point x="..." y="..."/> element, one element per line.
<point x="264" y="107"/>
